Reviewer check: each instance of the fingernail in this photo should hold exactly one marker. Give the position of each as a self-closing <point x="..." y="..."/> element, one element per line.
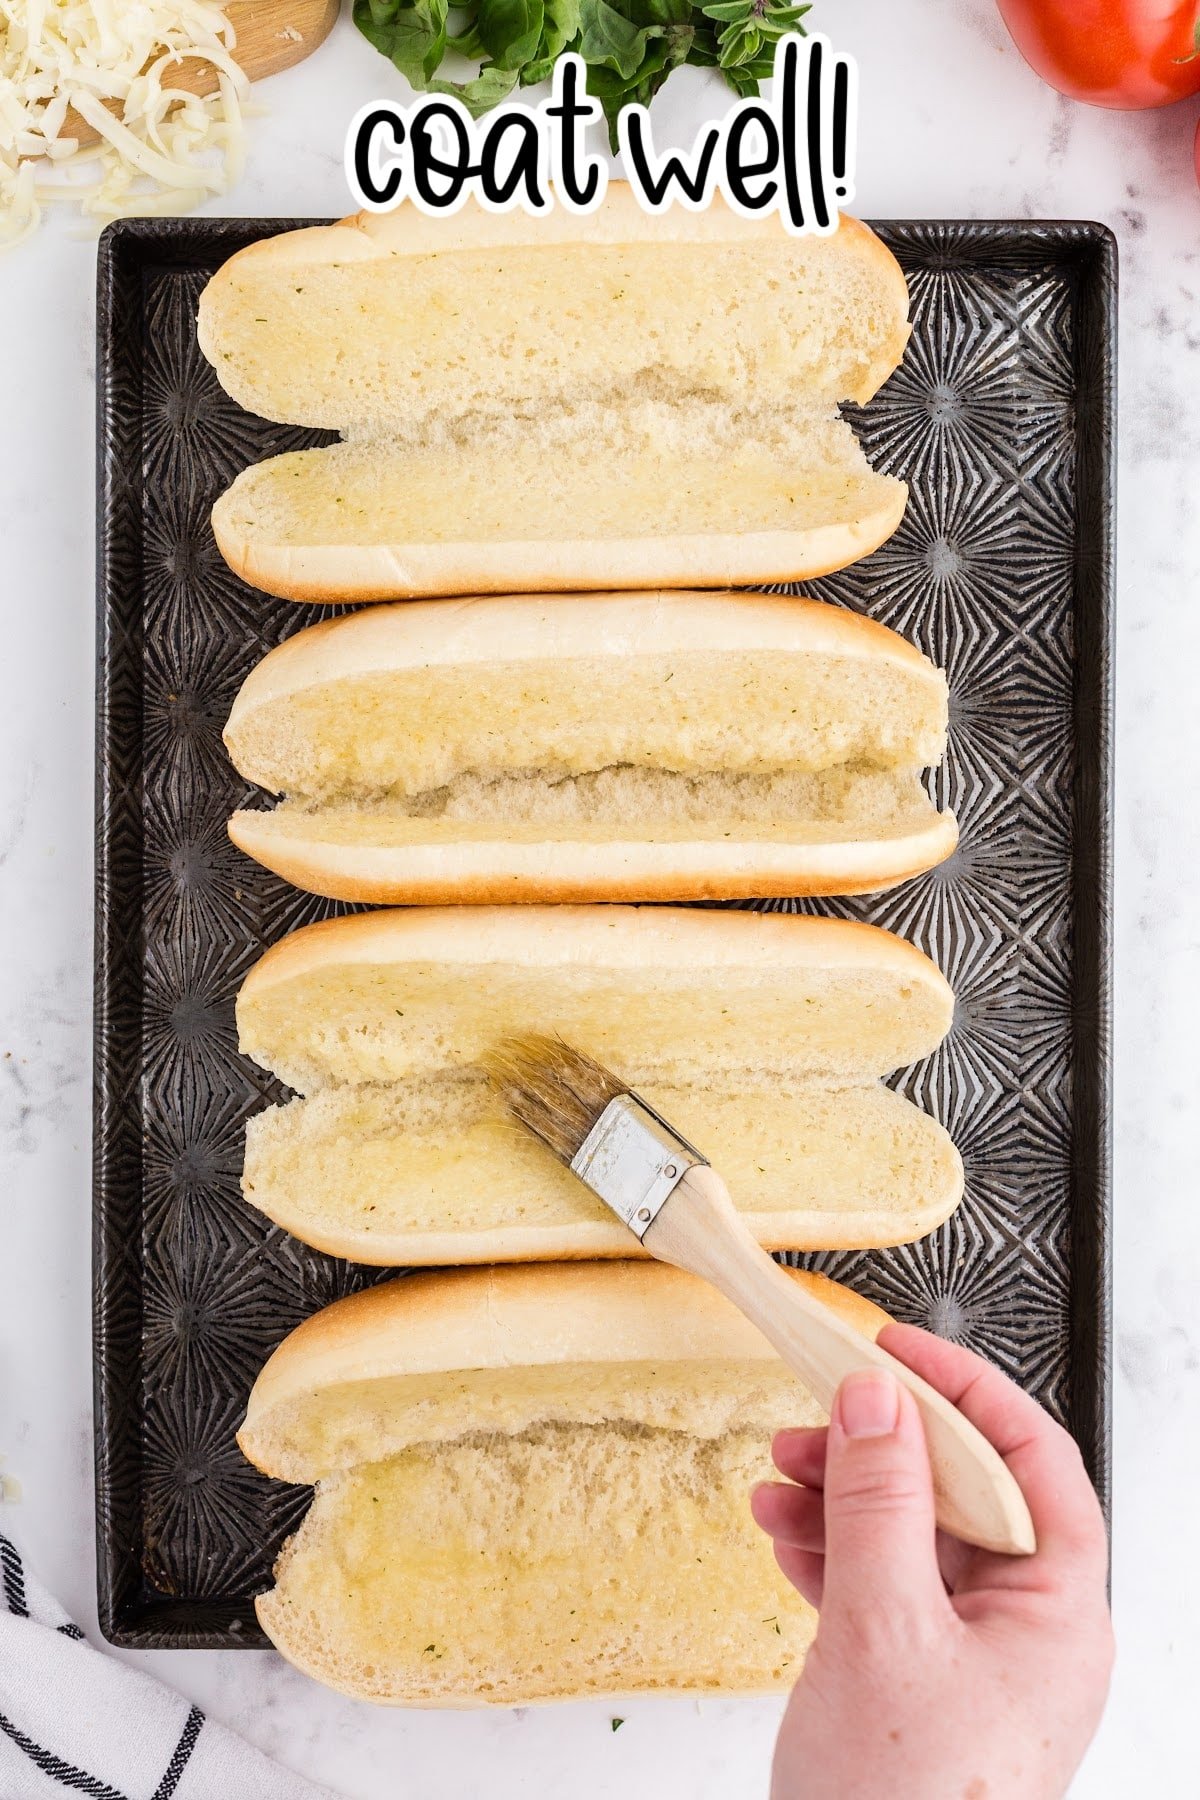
<point x="868" y="1404"/>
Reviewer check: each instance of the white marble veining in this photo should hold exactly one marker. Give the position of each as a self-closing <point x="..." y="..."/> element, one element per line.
<point x="952" y="123"/>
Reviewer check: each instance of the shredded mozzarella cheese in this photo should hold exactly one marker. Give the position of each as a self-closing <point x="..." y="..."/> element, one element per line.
<point x="161" y="149"/>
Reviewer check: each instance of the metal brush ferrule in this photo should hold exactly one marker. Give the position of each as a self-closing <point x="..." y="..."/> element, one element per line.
<point x="634" y="1161"/>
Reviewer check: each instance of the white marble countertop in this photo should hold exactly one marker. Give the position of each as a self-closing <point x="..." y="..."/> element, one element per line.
<point x="953" y="124"/>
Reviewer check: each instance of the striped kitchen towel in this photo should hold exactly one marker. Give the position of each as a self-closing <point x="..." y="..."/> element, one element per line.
<point x="75" y="1721"/>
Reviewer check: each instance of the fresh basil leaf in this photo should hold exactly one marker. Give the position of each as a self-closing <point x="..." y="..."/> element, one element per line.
<point x="661" y="55"/>
<point x="607" y="86"/>
<point x="671" y="50"/>
<point x="412" y="36"/>
<point x="614" y="92"/>
<point x="510" y="30"/>
<point x="703" y="51"/>
<point x="608" y="38"/>
<point x="468" y="42"/>
<point x="613" y="109"/>
<point x="561" y="26"/>
<point x="630" y="46"/>
<point x="649" y="85"/>
<point x="479" y="95"/>
<point x="661" y="12"/>
<point x="373" y="17"/>
<point x="728" y="11"/>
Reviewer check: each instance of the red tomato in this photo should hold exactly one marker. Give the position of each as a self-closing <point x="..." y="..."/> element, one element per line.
<point x="1122" y="53"/>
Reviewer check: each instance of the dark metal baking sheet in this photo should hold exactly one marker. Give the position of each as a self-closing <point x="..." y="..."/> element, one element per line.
<point x="1001" y="418"/>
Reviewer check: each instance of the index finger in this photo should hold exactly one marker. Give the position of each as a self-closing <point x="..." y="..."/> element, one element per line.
<point x="1042" y="1456"/>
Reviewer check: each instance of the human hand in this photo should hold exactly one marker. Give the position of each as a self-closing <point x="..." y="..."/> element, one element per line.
<point x="939" y="1672"/>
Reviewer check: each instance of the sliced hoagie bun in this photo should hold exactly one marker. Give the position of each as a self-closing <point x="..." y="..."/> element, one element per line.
<point x="611" y="400"/>
<point x="432" y="1356"/>
<point x="426" y="1172"/>
<point x="359" y="316"/>
<point x="677" y="496"/>
<point x="648" y="990"/>
<point x="761" y="1035"/>
<point x="614" y="747"/>
<point x="508" y="1461"/>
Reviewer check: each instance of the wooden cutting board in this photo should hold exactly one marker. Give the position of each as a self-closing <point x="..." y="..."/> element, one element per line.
<point x="271" y="35"/>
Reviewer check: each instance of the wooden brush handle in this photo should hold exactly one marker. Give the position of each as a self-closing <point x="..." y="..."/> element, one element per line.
<point x="699" y="1229"/>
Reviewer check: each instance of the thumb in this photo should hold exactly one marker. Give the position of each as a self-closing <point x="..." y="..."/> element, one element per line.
<point x="880" y="1542"/>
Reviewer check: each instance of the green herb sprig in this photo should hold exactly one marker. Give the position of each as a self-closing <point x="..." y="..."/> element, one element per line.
<point x="629" y="46"/>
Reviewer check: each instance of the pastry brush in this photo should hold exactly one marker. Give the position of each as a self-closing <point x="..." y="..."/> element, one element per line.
<point x="677" y="1205"/>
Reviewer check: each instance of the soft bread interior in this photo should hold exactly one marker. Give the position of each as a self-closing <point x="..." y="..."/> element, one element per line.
<point x="647" y="474"/>
<point x="790" y="725"/>
<point x="426" y="1171"/>
<point x="398" y="1153"/>
<point x="619" y="802"/>
<point x="437" y="1356"/>
<point x="435" y="736"/>
<point x="580" y="404"/>
<point x="564" y="1561"/>
<point x="383" y="325"/>
<point x="339" y="1425"/>
<point x="382" y="1021"/>
<point x="476" y="1435"/>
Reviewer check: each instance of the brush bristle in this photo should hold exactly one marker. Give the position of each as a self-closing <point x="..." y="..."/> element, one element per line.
<point x="554" y="1091"/>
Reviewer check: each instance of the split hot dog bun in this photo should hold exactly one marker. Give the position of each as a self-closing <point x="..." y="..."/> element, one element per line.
<point x="613" y="400"/>
<point x="762" y="1037"/>
<point x="533" y="1484"/>
<point x="674" y="746"/>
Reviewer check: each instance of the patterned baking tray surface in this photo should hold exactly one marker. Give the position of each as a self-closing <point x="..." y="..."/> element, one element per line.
<point x="1001" y="419"/>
